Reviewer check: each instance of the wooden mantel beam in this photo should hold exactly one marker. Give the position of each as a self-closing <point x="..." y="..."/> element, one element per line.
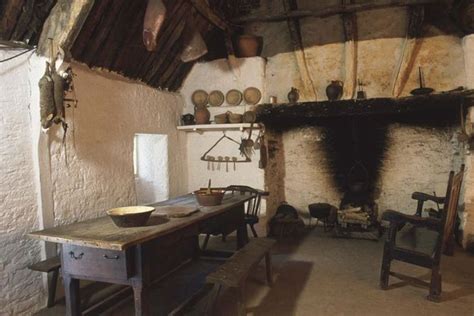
<point x="332" y="10"/>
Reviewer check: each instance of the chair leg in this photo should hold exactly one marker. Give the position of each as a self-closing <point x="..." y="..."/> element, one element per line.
<point x="268" y="268"/>
<point x="53" y="282"/>
<point x="206" y="240"/>
<point x="254" y="232"/>
<point x="387" y="258"/>
<point x="435" y="285"/>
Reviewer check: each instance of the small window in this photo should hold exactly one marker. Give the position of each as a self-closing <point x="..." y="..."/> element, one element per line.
<point x="150" y="166"/>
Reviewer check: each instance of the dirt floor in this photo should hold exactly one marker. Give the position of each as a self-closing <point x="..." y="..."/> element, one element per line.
<point x="321" y="275"/>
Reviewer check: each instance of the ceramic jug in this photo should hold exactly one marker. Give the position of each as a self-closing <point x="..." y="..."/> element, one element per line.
<point x="334" y="90"/>
<point x="201" y="114"/>
<point x="293" y="95"/>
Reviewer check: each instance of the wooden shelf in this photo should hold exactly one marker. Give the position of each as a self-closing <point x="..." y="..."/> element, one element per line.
<point x="217" y="127"/>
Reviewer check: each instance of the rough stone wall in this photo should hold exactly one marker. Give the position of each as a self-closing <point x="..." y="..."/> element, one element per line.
<point x="468" y="218"/>
<point x="21" y="290"/>
<point x="98" y="173"/>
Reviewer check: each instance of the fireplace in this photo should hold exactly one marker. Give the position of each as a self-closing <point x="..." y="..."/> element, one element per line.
<point x="362" y="157"/>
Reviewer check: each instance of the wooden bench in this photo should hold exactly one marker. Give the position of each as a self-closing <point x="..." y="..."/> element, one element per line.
<point x="232" y="274"/>
<point x="49" y="265"/>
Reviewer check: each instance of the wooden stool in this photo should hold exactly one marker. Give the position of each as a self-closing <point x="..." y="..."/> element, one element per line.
<point x="49" y="265"/>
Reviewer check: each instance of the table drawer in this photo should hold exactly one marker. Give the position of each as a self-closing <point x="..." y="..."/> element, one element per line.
<point x="93" y="262"/>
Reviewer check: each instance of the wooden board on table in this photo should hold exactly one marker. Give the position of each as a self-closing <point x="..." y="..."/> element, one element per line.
<point x="176" y="211"/>
<point x="102" y="233"/>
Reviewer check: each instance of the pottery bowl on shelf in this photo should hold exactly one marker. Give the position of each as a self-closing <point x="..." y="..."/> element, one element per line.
<point x="221" y="118"/>
<point x="130" y="216"/>
<point x="235" y="118"/>
<point x="204" y="198"/>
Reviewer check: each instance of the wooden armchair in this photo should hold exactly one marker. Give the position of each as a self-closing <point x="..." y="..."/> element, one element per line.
<point x="253" y="206"/>
<point x="432" y="235"/>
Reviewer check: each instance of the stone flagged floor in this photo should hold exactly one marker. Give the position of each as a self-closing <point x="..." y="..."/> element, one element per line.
<point x="322" y="275"/>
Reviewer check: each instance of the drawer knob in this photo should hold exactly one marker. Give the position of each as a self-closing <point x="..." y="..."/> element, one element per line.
<point x="73" y="255"/>
<point x="112" y="258"/>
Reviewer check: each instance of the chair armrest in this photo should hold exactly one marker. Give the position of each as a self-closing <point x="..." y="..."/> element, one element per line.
<point x="398" y="218"/>
<point x="420" y="196"/>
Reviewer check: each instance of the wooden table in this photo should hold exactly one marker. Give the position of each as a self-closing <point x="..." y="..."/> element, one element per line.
<point x="98" y="250"/>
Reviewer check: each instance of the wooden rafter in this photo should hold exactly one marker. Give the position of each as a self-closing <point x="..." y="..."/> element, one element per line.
<point x="333" y="10"/>
<point x="308" y="92"/>
<point x="350" y="51"/>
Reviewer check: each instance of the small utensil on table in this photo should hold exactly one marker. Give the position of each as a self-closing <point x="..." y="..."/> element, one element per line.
<point x="209" y="187"/>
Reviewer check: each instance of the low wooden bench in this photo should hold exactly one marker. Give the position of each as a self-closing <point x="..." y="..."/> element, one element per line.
<point x="49" y="265"/>
<point x="232" y="274"/>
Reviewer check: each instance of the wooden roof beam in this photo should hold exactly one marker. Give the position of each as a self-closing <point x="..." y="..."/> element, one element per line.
<point x="64" y="24"/>
<point x="333" y="10"/>
<point x="203" y="8"/>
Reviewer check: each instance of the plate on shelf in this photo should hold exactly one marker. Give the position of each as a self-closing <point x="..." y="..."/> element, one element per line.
<point x="252" y="95"/>
<point x="216" y="98"/>
<point x="233" y="97"/>
<point x="200" y="97"/>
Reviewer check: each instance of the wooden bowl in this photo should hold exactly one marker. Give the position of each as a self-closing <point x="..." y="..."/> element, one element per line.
<point x="130" y="216"/>
<point x="213" y="199"/>
<point x="235" y="118"/>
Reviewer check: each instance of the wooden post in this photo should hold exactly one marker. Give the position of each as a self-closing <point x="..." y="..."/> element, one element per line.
<point x="308" y="92"/>
<point x="350" y="51"/>
<point x="410" y="49"/>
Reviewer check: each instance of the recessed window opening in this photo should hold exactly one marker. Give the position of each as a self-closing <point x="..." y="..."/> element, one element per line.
<point x="150" y="167"/>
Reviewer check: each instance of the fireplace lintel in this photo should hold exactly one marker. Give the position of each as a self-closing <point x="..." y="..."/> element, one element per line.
<point x="393" y="107"/>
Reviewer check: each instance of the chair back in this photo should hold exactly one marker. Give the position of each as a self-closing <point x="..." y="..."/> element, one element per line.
<point x="451" y="205"/>
<point x="253" y="205"/>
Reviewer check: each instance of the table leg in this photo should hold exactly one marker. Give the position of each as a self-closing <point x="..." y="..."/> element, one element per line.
<point x="71" y="291"/>
<point x="142" y="304"/>
<point x="242" y="233"/>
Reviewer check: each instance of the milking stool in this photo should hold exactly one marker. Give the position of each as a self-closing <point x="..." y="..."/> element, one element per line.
<point x="321" y="212"/>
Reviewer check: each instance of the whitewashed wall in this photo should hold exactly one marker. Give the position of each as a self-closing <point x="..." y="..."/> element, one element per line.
<point x="21" y="290"/>
<point x="99" y="174"/>
<point x="381" y="33"/>
<point x="91" y="172"/>
<point x="218" y="75"/>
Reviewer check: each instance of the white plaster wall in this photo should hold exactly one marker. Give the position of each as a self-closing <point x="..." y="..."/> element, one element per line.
<point x="99" y="170"/>
<point x="217" y="75"/>
<point x="21" y="290"/>
<point x="220" y="75"/>
<point x="381" y="34"/>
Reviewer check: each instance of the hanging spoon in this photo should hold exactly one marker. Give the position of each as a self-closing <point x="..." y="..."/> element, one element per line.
<point x="208" y="158"/>
<point x="234" y="159"/>
<point x="220" y="159"/>
<point x="212" y="158"/>
<point x="227" y="158"/>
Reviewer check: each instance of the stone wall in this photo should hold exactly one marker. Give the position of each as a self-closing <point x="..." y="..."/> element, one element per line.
<point x="417" y="158"/>
<point x="21" y="289"/>
<point x="47" y="182"/>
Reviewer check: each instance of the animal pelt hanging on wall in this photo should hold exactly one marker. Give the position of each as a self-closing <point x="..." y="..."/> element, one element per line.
<point x="47" y="106"/>
<point x="52" y="88"/>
